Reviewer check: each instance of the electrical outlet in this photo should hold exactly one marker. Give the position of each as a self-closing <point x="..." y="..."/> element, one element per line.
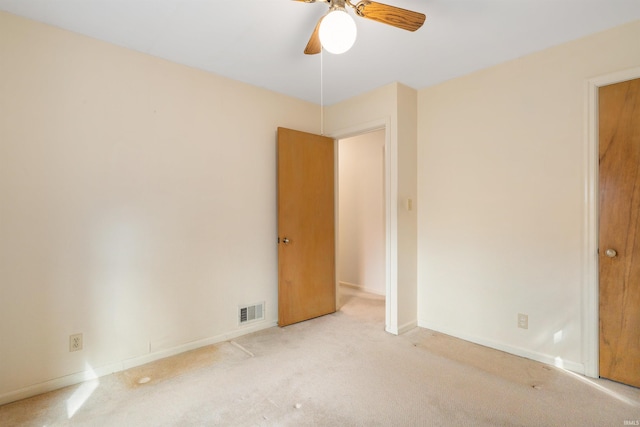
<point x="523" y="321"/>
<point x="75" y="342"/>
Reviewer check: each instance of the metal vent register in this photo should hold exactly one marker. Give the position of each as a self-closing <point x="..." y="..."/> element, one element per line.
<point x="251" y="313"/>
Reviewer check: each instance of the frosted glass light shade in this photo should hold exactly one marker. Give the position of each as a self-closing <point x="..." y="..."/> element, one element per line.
<point x="338" y="31"/>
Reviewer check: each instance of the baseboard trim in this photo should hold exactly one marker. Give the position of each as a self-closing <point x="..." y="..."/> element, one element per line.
<point x="407" y="327"/>
<point x="161" y="354"/>
<point x="547" y="359"/>
<point x="402" y="328"/>
<point x="362" y="288"/>
<point x="91" y="374"/>
<point x="58" y="383"/>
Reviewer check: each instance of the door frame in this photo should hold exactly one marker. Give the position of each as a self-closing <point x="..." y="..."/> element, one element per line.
<point x="390" y="217"/>
<point x="590" y="275"/>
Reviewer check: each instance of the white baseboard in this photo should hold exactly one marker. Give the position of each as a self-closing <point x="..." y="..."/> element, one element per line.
<point x="547" y="359"/>
<point x="161" y="354"/>
<point x="407" y="327"/>
<point x="58" y="383"/>
<point x="362" y="288"/>
<point x="402" y="328"/>
<point x="122" y="365"/>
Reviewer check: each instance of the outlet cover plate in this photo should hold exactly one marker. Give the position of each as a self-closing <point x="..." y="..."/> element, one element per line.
<point x="523" y="321"/>
<point x="75" y="342"/>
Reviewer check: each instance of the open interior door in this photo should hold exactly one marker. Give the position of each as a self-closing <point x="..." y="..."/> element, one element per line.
<point x="306" y="226"/>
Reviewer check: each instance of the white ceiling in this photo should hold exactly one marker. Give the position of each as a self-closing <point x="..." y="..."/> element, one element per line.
<point x="262" y="41"/>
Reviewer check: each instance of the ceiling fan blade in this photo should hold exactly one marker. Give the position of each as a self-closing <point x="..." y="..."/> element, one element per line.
<point x="314" y="46"/>
<point x="398" y="17"/>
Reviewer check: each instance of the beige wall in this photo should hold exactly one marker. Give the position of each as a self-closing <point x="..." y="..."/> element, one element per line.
<point x="137" y="204"/>
<point x="407" y="165"/>
<point x="501" y="179"/>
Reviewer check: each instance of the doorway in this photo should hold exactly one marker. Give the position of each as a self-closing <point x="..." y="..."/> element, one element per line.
<point x="361" y="245"/>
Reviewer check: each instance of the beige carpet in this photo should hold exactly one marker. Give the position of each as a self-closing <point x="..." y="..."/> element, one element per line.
<point x="338" y="370"/>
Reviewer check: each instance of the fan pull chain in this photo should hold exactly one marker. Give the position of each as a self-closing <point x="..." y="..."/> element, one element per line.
<point x="321" y="92"/>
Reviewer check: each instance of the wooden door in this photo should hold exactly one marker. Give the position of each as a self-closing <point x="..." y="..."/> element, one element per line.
<point x="619" y="235"/>
<point x="306" y="226"/>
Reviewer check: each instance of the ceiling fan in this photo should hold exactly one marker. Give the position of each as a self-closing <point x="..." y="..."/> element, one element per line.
<point x="391" y="15"/>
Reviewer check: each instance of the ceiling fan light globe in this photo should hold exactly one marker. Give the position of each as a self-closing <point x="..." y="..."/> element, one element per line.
<point x="337" y="32"/>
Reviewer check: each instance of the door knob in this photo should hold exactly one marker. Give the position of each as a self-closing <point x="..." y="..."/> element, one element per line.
<point x="285" y="241"/>
<point x="611" y="253"/>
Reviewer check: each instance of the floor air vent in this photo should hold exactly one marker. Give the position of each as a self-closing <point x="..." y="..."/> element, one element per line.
<point x="251" y="313"/>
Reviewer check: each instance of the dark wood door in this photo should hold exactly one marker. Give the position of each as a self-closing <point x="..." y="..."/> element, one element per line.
<point x="306" y="226"/>
<point x="619" y="235"/>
